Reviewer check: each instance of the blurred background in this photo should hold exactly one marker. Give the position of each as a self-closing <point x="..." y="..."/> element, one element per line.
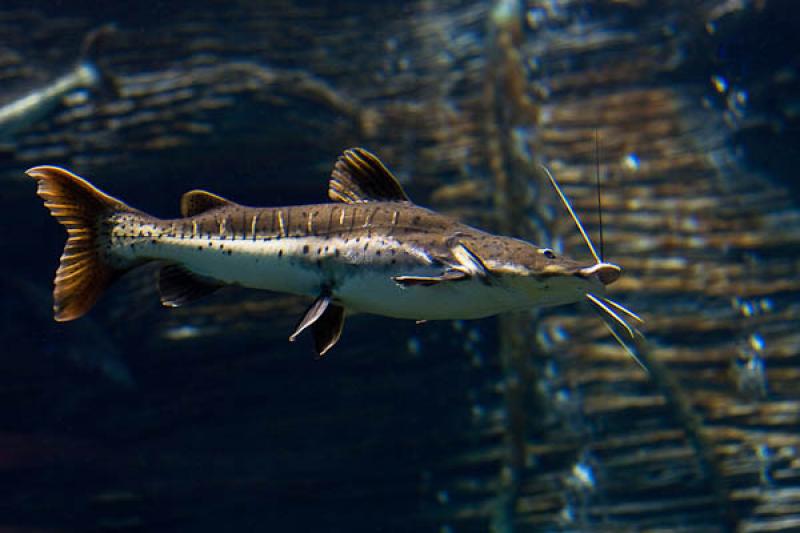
<point x="204" y="418"/>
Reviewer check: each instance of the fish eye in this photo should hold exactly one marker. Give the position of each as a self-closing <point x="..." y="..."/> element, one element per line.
<point x="548" y="253"/>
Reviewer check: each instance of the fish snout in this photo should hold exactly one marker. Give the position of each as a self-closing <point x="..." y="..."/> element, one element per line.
<point x="607" y="273"/>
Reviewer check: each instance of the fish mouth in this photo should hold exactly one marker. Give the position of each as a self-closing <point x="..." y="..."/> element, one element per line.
<point x="607" y="273"/>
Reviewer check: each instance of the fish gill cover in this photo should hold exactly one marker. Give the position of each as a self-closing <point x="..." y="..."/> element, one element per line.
<point x="203" y="417"/>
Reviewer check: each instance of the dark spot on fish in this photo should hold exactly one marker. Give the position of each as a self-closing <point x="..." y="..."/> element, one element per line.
<point x="221" y="246"/>
<point x="199" y="247"/>
<point x="280" y="253"/>
<point x="229" y="252"/>
<point x="153" y="241"/>
<point x="366" y="245"/>
<point x="358" y="239"/>
<point x="394" y="261"/>
<point x="378" y="253"/>
<point x="319" y="251"/>
<point x="210" y="243"/>
<point x="336" y="252"/>
<point x="305" y="249"/>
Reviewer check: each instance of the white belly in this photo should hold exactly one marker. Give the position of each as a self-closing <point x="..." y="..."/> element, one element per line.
<point x="284" y="266"/>
<point x="377" y="293"/>
<point x="271" y="265"/>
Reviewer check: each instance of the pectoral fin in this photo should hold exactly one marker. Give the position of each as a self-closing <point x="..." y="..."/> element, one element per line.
<point x="178" y="286"/>
<point x="326" y="320"/>
<point x="427" y="281"/>
<point x="469" y="262"/>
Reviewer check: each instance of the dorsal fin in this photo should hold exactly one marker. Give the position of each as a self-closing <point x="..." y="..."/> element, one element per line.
<point x="359" y="176"/>
<point x="197" y="201"/>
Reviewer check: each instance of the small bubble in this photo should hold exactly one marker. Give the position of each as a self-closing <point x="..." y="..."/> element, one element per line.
<point x="551" y="371"/>
<point x="414" y="346"/>
<point x="535" y="17"/>
<point x="741" y="98"/>
<point x="567" y="514"/>
<point x="719" y="83"/>
<point x="563" y="396"/>
<point x="182" y="332"/>
<point x="750" y="374"/>
<point x="762" y="451"/>
<point x="765" y="458"/>
<point x="756" y="342"/>
<point x="584" y="476"/>
<point x="631" y="162"/>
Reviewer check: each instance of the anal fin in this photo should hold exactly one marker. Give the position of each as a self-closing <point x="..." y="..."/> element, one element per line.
<point x="326" y="320"/>
<point x="178" y="286"/>
<point x="328" y="329"/>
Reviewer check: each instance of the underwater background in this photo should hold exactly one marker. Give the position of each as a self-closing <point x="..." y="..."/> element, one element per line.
<point x="205" y="418"/>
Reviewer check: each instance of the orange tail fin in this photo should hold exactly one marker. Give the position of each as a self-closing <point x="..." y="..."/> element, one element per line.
<point x="84" y="272"/>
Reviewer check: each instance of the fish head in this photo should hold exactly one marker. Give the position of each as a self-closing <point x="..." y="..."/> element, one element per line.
<point x="538" y="274"/>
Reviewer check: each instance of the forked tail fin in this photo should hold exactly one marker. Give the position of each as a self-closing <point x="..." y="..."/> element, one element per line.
<point x="84" y="272"/>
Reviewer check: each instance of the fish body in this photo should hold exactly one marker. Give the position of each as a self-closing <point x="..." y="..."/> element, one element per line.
<point x="370" y="250"/>
<point x="356" y="251"/>
<point x="39" y="103"/>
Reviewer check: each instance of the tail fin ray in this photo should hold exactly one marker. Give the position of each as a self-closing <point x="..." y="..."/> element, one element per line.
<point x="84" y="271"/>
